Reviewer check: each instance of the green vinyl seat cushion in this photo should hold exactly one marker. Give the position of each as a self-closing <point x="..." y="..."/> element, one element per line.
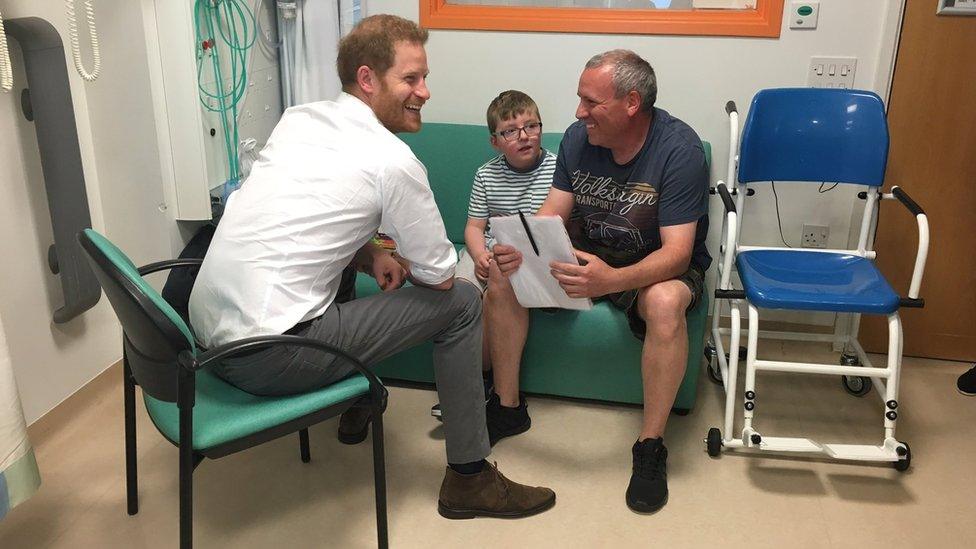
<point x="224" y="413"/>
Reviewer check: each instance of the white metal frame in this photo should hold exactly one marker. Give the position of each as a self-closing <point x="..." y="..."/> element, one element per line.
<point x="885" y="380"/>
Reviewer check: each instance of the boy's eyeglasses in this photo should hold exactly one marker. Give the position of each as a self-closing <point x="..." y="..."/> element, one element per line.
<point x="531" y="129"/>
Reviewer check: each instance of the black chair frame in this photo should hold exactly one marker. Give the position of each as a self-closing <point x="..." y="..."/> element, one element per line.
<point x="188" y="364"/>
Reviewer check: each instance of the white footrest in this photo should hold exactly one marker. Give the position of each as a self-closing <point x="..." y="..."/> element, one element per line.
<point x="860" y="452"/>
<point x="854" y="452"/>
<point x="785" y="444"/>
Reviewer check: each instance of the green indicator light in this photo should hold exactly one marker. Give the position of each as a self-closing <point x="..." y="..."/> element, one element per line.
<point x="804" y="10"/>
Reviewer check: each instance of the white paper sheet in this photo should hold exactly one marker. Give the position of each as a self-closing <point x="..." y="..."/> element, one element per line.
<point x="533" y="283"/>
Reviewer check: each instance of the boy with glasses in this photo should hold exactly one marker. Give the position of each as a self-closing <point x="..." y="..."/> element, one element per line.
<point x="517" y="180"/>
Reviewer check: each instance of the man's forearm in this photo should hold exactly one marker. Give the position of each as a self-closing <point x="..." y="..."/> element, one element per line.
<point x="363" y="260"/>
<point x="662" y="264"/>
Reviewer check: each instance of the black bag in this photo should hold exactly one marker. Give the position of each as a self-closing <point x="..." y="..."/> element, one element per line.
<point x="180" y="281"/>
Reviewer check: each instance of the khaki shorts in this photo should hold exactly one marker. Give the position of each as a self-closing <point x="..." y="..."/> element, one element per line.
<point x="465" y="270"/>
<point x="694" y="278"/>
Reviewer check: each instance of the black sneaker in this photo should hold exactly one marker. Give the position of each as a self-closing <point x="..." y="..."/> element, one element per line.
<point x="967" y="382"/>
<point x="504" y="421"/>
<point x="486" y="378"/>
<point x="648" y="489"/>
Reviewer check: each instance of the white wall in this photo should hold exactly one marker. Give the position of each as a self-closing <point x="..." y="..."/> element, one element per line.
<point x="118" y="147"/>
<point x="696" y="76"/>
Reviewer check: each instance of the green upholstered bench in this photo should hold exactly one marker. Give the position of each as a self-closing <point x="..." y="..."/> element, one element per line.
<point x="581" y="354"/>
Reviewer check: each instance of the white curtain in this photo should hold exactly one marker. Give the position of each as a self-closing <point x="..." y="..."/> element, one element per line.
<point x="309" y="31"/>
<point x="19" y="477"/>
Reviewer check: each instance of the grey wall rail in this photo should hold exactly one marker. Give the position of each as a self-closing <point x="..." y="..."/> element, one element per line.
<point x="57" y="140"/>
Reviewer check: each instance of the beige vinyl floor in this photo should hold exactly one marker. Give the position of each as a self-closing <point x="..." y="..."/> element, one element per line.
<point x="265" y="497"/>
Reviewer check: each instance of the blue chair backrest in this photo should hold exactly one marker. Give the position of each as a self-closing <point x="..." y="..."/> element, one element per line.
<point x="813" y="134"/>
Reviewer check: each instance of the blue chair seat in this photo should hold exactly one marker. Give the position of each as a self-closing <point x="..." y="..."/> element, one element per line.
<point x="224" y="413"/>
<point x="814" y="281"/>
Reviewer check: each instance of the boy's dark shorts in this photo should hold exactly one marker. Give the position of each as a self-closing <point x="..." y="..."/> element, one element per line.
<point x="694" y="278"/>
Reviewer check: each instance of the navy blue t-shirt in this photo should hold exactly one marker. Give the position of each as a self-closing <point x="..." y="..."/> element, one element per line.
<point x="620" y="208"/>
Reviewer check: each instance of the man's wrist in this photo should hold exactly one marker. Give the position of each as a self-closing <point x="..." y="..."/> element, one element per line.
<point x="618" y="281"/>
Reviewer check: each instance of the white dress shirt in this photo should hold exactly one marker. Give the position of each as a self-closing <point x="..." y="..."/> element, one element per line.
<point x="330" y="176"/>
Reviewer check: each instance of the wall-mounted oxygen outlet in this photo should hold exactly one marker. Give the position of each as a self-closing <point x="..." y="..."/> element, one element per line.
<point x="832" y="72"/>
<point x="814" y="236"/>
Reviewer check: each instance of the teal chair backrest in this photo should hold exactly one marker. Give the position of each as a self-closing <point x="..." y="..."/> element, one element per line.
<point x="452" y="154"/>
<point x="154" y="334"/>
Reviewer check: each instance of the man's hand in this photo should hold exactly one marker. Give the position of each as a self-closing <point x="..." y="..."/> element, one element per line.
<point x="388" y="272"/>
<point x="507" y="258"/>
<point x="481" y="266"/>
<point x="593" y="278"/>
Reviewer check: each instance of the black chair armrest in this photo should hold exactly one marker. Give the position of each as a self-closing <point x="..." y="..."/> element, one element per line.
<point x="193" y="363"/>
<point x="729" y="294"/>
<point x="903" y="197"/>
<point x="723" y="191"/>
<point x="169" y="264"/>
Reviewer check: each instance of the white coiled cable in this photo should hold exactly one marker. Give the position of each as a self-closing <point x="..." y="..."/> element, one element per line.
<point x="6" y="72"/>
<point x="73" y="35"/>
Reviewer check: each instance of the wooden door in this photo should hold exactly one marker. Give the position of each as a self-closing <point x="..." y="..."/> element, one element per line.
<point x="932" y="121"/>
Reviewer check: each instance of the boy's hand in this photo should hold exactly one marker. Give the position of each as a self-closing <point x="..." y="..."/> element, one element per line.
<point x="388" y="272"/>
<point x="481" y="266"/>
<point x="507" y="258"/>
<point x="592" y="278"/>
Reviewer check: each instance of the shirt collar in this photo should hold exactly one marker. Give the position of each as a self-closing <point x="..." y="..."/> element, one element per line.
<point x="357" y="106"/>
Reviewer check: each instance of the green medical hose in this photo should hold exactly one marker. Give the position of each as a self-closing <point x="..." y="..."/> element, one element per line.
<point x="233" y="22"/>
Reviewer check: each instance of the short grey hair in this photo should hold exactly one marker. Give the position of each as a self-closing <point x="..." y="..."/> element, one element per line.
<point x="630" y="72"/>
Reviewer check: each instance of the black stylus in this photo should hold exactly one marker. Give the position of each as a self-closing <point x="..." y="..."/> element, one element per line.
<point x="528" y="232"/>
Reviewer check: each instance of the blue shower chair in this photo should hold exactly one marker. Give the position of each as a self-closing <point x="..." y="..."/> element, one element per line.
<point x="822" y="136"/>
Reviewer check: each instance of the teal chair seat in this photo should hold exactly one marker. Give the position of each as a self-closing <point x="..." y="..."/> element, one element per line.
<point x="224" y="413"/>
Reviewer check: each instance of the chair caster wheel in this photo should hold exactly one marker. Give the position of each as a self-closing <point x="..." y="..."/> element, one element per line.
<point x="711" y="369"/>
<point x="713" y="443"/>
<point x="905" y="462"/>
<point x="856" y="385"/>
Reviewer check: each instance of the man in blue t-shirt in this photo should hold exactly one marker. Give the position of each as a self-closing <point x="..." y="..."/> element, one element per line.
<point x="632" y="183"/>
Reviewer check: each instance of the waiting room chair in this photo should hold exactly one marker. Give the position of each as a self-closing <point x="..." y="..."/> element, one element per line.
<point x="822" y="136"/>
<point x="201" y="414"/>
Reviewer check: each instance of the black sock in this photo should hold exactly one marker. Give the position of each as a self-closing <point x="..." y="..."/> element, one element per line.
<point x="660" y="440"/>
<point x="468" y="468"/>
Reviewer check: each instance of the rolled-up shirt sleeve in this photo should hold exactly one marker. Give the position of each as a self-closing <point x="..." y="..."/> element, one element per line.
<point x="411" y="218"/>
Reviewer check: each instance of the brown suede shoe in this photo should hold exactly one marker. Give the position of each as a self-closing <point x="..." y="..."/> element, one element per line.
<point x="354" y="425"/>
<point x="490" y="494"/>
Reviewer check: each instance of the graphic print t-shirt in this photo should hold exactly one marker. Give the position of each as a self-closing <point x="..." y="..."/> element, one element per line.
<point x="620" y="208"/>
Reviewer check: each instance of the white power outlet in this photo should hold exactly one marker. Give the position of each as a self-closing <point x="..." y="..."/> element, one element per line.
<point x="832" y="72"/>
<point x="814" y="236"/>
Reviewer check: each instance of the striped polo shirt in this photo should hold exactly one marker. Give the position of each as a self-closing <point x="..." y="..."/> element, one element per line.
<point x="500" y="190"/>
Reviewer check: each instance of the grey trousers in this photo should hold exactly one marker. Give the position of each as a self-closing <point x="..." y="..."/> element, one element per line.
<point x="379" y="326"/>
